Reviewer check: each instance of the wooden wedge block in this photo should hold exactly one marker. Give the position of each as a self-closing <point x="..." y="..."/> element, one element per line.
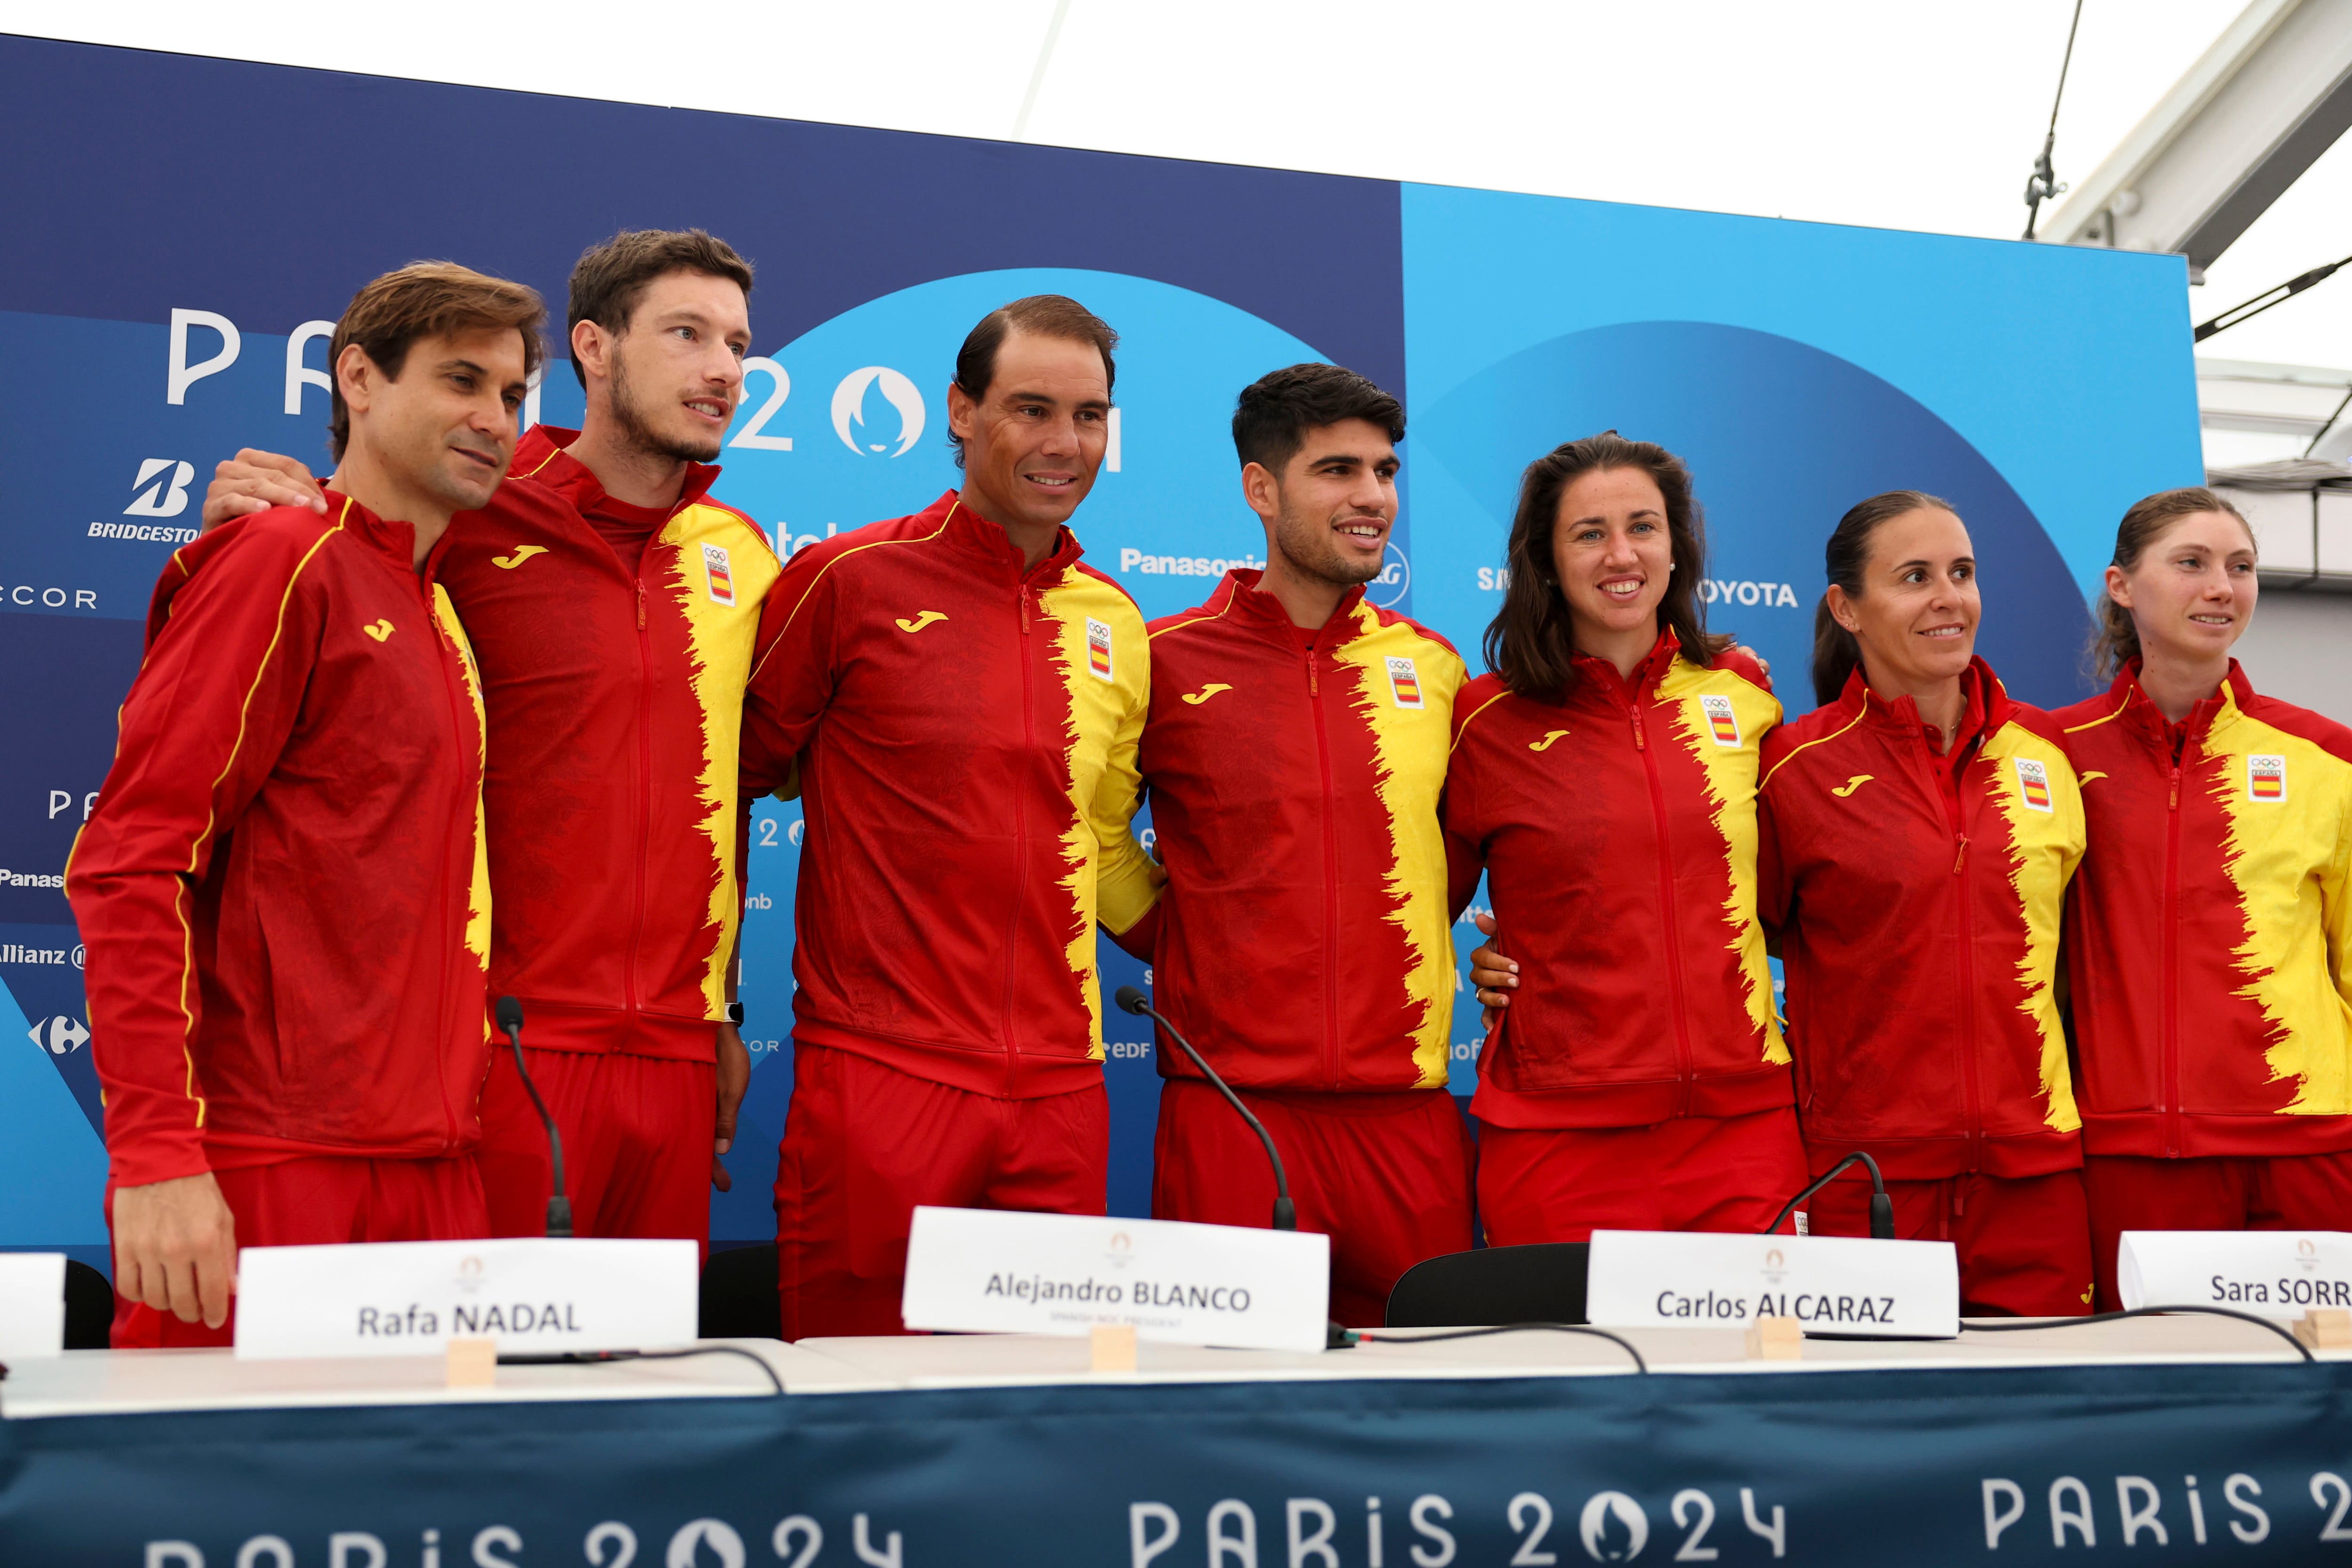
<point x="473" y="1364"/>
<point x="1775" y="1338"/>
<point x="2326" y="1328"/>
<point x="1114" y="1347"/>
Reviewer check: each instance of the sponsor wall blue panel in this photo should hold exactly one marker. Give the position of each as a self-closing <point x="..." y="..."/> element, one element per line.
<point x="2042" y="388"/>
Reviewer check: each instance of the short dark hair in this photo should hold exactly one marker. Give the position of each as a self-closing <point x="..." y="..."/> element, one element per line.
<point x="610" y="279"/>
<point x="1836" y="652"/>
<point x="1531" y="640"/>
<point x="424" y="299"/>
<point x="1276" y="410"/>
<point x="1040" y="315"/>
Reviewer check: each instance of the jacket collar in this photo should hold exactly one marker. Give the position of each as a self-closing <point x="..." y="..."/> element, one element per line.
<point x="1599" y="674"/>
<point x="2131" y="701"/>
<point x="395" y="541"/>
<point x="1989" y="704"/>
<point x="968" y="530"/>
<point x="541" y="457"/>
<point x="1241" y="600"/>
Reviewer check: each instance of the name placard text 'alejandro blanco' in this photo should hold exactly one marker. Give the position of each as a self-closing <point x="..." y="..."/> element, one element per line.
<point x="1829" y="1284"/>
<point x="2271" y="1273"/>
<point x="992" y="1271"/>
<point x="412" y="1298"/>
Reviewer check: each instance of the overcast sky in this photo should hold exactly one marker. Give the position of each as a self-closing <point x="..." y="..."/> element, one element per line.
<point x="1894" y="113"/>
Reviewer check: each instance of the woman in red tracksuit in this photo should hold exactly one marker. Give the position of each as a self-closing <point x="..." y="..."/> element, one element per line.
<point x="1918" y="831"/>
<point x="1604" y="780"/>
<point x="2209" y="940"/>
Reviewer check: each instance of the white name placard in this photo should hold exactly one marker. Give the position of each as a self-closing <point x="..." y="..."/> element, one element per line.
<point x="1831" y="1284"/>
<point x="412" y="1298"/>
<point x="2270" y="1273"/>
<point x="31" y="1305"/>
<point x="989" y="1270"/>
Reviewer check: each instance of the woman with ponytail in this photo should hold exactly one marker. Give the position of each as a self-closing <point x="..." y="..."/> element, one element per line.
<point x="2208" y="941"/>
<point x="1918" y="831"/>
<point x="1604" y="780"/>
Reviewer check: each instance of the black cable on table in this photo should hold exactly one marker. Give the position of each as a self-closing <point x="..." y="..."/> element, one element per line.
<point x="2300" y="1348"/>
<point x="1624" y="1344"/>
<point x="592" y="1358"/>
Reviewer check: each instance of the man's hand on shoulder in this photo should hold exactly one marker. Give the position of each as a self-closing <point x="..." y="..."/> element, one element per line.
<point x="255" y="481"/>
<point x="175" y="1247"/>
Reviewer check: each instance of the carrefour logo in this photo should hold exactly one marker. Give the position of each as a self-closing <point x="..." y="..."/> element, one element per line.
<point x="849" y="421"/>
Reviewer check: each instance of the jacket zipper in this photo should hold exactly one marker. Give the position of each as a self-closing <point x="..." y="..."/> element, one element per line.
<point x="1020" y="835"/>
<point x="1330" y="883"/>
<point x="451" y="683"/>
<point x="645" y="792"/>
<point x="2172" y="967"/>
<point x="1672" y="932"/>
<point x="1958" y="812"/>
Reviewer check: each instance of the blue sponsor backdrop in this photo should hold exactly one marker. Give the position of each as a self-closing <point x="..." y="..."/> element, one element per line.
<point x="168" y="268"/>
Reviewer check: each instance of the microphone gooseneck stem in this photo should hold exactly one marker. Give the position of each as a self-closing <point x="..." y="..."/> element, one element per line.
<point x="1286" y="1212"/>
<point x="558" y="1205"/>
<point x="1881" y="1207"/>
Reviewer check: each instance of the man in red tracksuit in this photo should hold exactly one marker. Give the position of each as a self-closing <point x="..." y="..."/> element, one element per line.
<point x="283" y="889"/>
<point x="964" y="698"/>
<point x="1294" y="754"/>
<point x="614" y="607"/>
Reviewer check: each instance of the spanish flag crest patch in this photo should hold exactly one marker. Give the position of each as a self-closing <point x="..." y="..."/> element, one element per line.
<point x="2033" y="785"/>
<point x="1722" y="719"/>
<point x="2265" y="777"/>
<point x="1404" y="682"/>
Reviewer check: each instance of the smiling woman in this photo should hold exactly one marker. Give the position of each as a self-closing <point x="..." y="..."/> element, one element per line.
<point x="1918" y="832"/>
<point x="2208" y="941"/>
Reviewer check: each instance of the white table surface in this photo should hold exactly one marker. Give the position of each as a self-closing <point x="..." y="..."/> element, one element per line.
<point x="112" y="1383"/>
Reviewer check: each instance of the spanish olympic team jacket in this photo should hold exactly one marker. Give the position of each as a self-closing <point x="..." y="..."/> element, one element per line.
<point x="615" y="691"/>
<point x="1304" y="940"/>
<point x="2209" y="941"/>
<point x="1617" y="831"/>
<point x="966" y="727"/>
<point x="282" y="890"/>
<point x="1918" y="899"/>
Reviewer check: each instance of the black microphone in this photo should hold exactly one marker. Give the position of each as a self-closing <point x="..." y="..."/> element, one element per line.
<point x="1881" y="1207"/>
<point x="1131" y="999"/>
<point x="559" y="1207"/>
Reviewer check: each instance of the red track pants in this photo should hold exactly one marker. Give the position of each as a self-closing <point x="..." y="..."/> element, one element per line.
<point x="2284" y="1192"/>
<point x="865" y="1144"/>
<point x="2024" y="1242"/>
<point x="637" y="1136"/>
<point x="1385" y="1176"/>
<point x="316" y="1199"/>
<point x="1694" y="1172"/>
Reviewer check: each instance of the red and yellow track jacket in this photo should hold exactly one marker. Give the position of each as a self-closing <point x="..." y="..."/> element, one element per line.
<point x="1617" y="831"/>
<point x="2209" y="941"/>
<point x="282" y="890"/>
<point x="1304" y="940"/>
<point x="615" y="691"/>
<point x="966" y="728"/>
<point x="1918" y="899"/>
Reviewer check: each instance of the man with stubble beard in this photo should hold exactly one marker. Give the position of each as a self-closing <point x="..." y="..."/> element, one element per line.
<point x="614" y="608"/>
<point x="1295" y="753"/>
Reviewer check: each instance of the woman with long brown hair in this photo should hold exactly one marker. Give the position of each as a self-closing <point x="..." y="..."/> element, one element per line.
<point x="2209" y="940"/>
<point x="1603" y="778"/>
